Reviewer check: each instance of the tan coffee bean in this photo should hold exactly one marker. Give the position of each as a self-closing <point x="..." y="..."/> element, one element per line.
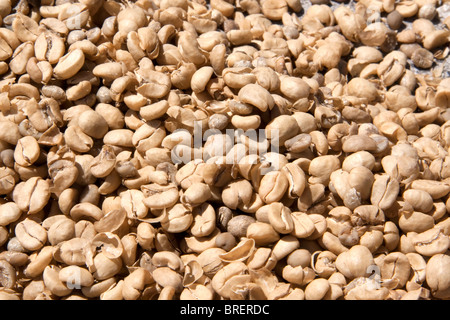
<point x="61" y="231"/>
<point x="93" y="124"/>
<point x="285" y="246"/>
<point x="280" y="218"/>
<point x="159" y="197"/>
<point x="69" y="64"/>
<point x="49" y="47"/>
<point x="119" y="137"/>
<point x="27" y="151"/>
<point x="436" y="277"/>
<point x="355" y="262"/>
<point x="262" y="233"/>
<point x="25" y="28"/>
<point x="273" y="186"/>
<point x="431" y="242"/>
<point x="7" y="275"/>
<point x="9" y="213"/>
<point x="86" y="211"/>
<point x="9" y="132"/>
<point x="76" y="277"/>
<point x="32" y="196"/>
<point x="52" y="282"/>
<point x="20" y="58"/>
<point x="112" y="115"/>
<point x="36" y="267"/>
<point x="257" y="96"/>
<point x="31" y="235"/>
<point x="146" y="235"/>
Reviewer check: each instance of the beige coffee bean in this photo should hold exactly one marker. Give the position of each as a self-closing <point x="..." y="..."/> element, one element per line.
<point x="237" y="193"/>
<point x="262" y="233"/>
<point x="31" y="235"/>
<point x="103" y="163"/>
<point x="69" y="64"/>
<point x="105" y="267"/>
<point x="27" y="151"/>
<point x="246" y="122"/>
<point x="109" y="70"/>
<point x="7" y="180"/>
<point x="114" y="291"/>
<point x="157" y="85"/>
<point x="280" y="219"/>
<point x="112" y="115"/>
<point x="384" y="191"/>
<point x="257" y="96"/>
<point x="415" y="221"/>
<point x="78" y="91"/>
<point x="204" y="220"/>
<point x="39" y="71"/>
<point x="77" y="140"/>
<point x="119" y="138"/>
<point x="20" y="58"/>
<point x="32" y="195"/>
<point x="76" y="277"/>
<point x="135" y="282"/>
<point x="159" y="197"/>
<point x="317" y="289"/>
<point x="60" y="231"/>
<point x="436" y="277"/>
<point x="298" y="143"/>
<point x="296" y="179"/>
<point x="146" y="235"/>
<point x="74" y="251"/>
<point x="9" y="213"/>
<point x="34" y="290"/>
<point x="355" y="262"/>
<point x="196" y="195"/>
<point x="149" y="135"/>
<point x="93" y="124"/>
<point x="294" y="88"/>
<point x="154" y="111"/>
<point x="165" y="277"/>
<point x="357" y="143"/>
<point x="321" y="168"/>
<point x="132" y="202"/>
<point x="7" y="275"/>
<point x="285" y="246"/>
<point x="9" y="132"/>
<point x="303" y="225"/>
<point x="360" y="158"/>
<point x="436" y="189"/>
<point x="42" y="260"/>
<point x="431" y="242"/>
<point x="362" y="88"/>
<point x="25" y="28"/>
<point x="86" y="211"/>
<point x="49" y="47"/>
<point x="396" y="266"/>
<point x="419" y="199"/>
<point x="179" y="219"/>
<point x="273" y="186"/>
<point x="82" y="163"/>
<point x="114" y="221"/>
<point x="52" y="282"/>
<point x="281" y="129"/>
<point x="298" y="275"/>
